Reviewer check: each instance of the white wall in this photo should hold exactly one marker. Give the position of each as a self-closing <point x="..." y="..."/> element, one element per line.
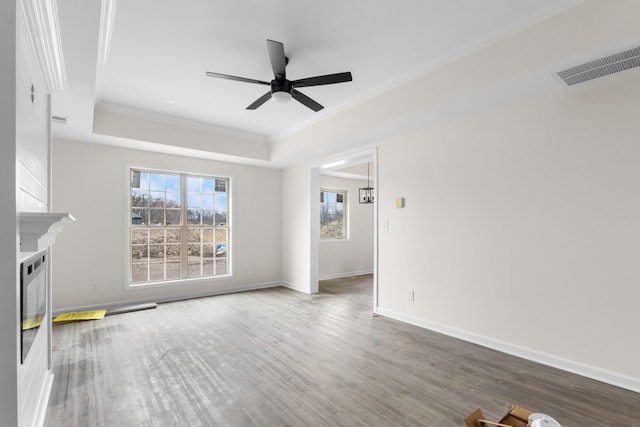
<point x="297" y="271"/>
<point x="9" y="312"/>
<point x="137" y="128"/>
<point x="521" y="229"/>
<point x="90" y="181"/>
<point x="342" y="258"/>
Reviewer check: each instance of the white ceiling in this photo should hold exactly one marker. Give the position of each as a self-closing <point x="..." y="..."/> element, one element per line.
<point x="152" y="50"/>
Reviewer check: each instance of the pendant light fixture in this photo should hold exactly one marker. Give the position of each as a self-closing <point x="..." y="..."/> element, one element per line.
<point x="366" y="194"/>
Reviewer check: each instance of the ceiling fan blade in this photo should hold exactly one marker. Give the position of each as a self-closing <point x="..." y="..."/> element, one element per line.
<point x="323" y="80"/>
<point x="258" y="102"/>
<point x="278" y="59"/>
<point x="305" y="100"/>
<point x="236" y="78"/>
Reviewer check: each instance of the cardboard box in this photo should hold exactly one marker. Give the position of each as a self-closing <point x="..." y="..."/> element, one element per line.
<point x="516" y="417"/>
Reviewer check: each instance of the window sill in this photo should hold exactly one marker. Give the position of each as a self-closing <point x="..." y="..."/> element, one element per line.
<point x="345" y="240"/>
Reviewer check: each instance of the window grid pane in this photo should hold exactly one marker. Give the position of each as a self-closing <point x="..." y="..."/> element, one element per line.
<point x="177" y="234"/>
<point x="332" y="214"/>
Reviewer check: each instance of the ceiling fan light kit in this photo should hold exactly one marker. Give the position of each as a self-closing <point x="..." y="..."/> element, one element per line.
<point x="281" y="97"/>
<point x="282" y="90"/>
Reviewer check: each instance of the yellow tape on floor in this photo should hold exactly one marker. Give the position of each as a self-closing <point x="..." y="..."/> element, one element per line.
<point x="80" y="315"/>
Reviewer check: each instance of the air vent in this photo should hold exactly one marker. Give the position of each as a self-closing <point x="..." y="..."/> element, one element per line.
<point x="606" y="66"/>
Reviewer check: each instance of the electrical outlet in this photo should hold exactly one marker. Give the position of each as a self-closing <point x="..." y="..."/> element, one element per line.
<point x="411" y="295"/>
<point x="93" y="287"/>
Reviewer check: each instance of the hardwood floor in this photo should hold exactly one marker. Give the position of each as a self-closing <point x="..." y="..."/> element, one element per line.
<point x="277" y="357"/>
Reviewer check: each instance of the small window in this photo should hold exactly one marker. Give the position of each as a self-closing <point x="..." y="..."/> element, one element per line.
<point x="333" y="218"/>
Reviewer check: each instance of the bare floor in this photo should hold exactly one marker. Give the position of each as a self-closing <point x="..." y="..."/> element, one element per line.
<point x="277" y="357"/>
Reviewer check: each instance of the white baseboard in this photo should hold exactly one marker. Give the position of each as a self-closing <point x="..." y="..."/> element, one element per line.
<point x="593" y="372"/>
<point x="176" y="297"/>
<point x="347" y="274"/>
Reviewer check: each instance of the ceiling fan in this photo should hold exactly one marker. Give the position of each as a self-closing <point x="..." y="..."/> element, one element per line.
<point x="282" y="90"/>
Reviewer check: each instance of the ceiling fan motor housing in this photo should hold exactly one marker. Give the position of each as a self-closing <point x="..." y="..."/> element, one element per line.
<point x="281" y="86"/>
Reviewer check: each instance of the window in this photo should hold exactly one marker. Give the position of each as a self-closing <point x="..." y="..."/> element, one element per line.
<point x="333" y="224"/>
<point x="179" y="226"/>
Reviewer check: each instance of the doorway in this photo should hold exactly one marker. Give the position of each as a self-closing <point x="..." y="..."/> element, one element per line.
<point x="336" y="208"/>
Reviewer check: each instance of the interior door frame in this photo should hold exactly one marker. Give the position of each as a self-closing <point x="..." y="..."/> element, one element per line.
<point x="315" y="218"/>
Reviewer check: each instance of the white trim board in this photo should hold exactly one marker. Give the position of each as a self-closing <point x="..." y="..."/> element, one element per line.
<point x="603" y="375"/>
<point x="178" y="297"/>
<point x="41" y="18"/>
<point x="347" y="274"/>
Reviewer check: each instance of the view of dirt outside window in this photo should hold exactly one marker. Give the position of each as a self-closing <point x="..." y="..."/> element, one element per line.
<point x="333" y="222"/>
<point x="179" y="226"/>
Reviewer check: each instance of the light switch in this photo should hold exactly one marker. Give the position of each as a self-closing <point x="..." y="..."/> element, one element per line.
<point x="400" y="202"/>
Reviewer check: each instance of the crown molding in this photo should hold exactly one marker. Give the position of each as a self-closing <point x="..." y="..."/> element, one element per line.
<point x="107" y="20"/>
<point x="43" y="33"/>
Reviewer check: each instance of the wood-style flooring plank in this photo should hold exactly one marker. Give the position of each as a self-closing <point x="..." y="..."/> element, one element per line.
<point x="276" y="357"/>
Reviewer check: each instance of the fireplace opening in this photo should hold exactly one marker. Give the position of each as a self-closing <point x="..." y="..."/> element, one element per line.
<point x="33" y="293"/>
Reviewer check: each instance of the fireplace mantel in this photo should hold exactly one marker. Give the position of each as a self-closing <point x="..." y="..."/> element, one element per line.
<point x="38" y="230"/>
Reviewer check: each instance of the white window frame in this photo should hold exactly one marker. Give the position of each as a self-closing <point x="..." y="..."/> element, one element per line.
<point x="129" y="284"/>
